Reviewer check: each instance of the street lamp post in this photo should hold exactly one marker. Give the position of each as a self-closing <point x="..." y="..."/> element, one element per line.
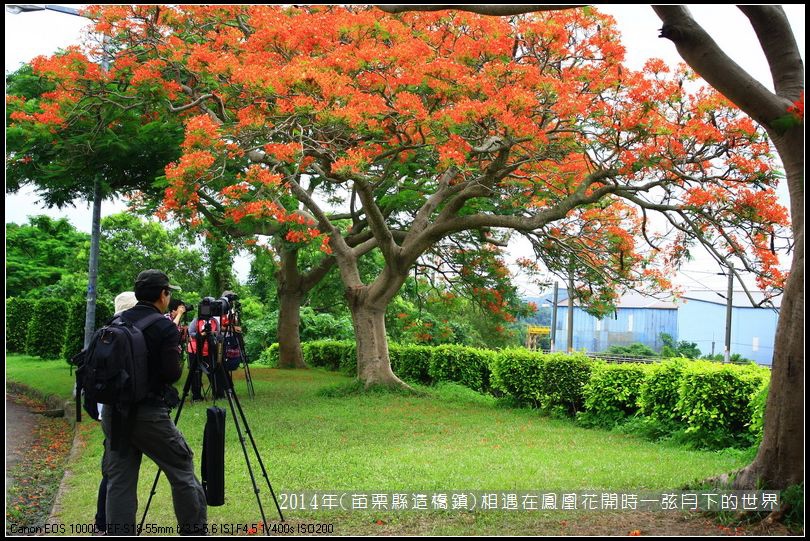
<point x="95" y="233"/>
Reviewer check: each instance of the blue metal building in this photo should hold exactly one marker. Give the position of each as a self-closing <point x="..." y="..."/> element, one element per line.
<point x="702" y="320"/>
<point x="637" y="318"/>
<point x="699" y="317"/>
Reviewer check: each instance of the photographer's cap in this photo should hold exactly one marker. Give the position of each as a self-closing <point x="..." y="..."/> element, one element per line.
<point x="153" y="278"/>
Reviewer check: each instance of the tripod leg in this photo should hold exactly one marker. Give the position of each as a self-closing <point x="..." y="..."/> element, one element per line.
<point x="248" y="379"/>
<point x="240" y="340"/>
<point x="231" y="399"/>
<point x="256" y="451"/>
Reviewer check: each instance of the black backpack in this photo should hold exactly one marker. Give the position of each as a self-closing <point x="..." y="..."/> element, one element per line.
<point x="113" y="370"/>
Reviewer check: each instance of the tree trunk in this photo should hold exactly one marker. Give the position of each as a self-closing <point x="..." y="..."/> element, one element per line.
<point x="291" y="293"/>
<point x="373" y="362"/>
<point x="780" y="460"/>
<point x="289" y="337"/>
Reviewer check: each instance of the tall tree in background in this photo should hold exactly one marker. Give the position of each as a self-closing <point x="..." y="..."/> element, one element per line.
<point x="467" y="123"/>
<point x="68" y="141"/>
<point x="39" y="253"/>
<point x="780" y="460"/>
<point x="130" y="244"/>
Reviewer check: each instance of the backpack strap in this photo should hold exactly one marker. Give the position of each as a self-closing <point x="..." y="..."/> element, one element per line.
<point x="146" y="321"/>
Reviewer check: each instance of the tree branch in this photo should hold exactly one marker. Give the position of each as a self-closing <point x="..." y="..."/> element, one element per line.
<point x="376" y="220"/>
<point x="703" y="54"/>
<point x="499" y="10"/>
<point x="779" y="45"/>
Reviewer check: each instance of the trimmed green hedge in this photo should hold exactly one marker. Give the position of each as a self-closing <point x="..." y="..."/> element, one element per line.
<point x="46" y="330"/>
<point x="715" y="401"/>
<point x="704" y="403"/>
<point x="412" y="363"/>
<point x="661" y="390"/>
<point x="612" y="392"/>
<point x="332" y="355"/>
<point x="563" y="382"/>
<point x="18" y="315"/>
<point x="465" y="365"/>
<point x="551" y="382"/>
<point x="74" y="328"/>
<point x="758" y="420"/>
<point x="518" y="373"/>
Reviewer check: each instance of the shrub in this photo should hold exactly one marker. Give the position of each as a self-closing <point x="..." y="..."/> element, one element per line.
<point x="758" y="407"/>
<point x="636" y="349"/>
<point x="465" y="365"/>
<point x="716" y="402"/>
<point x="260" y="333"/>
<point x="660" y="390"/>
<point x="411" y="363"/>
<point x="46" y="330"/>
<point x="612" y="393"/>
<point x="518" y="373"/>
<point x="269" y="356"/>
<point x="74" y="327"/>
<point x="562" y="381"/>
<point x="332" y="355"/>
<point x="18" y="315"/>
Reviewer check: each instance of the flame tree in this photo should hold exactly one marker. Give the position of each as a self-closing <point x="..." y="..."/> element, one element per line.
<point x="780" y="460"/>
<point x="467" y="123"/>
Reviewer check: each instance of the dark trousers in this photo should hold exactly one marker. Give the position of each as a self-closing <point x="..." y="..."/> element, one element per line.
<point x="101" y="505"/>
<point x="151" y="432"/>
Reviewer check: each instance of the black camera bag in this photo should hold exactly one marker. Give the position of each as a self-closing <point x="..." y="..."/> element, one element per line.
<point x="213" y="457"/>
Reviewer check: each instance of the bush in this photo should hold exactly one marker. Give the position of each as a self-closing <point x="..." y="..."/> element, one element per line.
<point x="758" y="407"/>
<point x="269" y="357"/>
<point x="793" y="498"/>
<point x="260" y="334"/>
<point x="46" y="330"/>
<point x="332" y="355"/>
<point x="518" y="373"/>
<point x="660" y="390"/>
<point x="636" y="349"/>
<point x="74" y="327"/>
<point x="18" y="315"/>
<point x="562" y="382"/>
<point x="612" y="393"/>
<point x="716" y="403"/>
<point x="411" y="363"/>
<point x="461" y="364"/>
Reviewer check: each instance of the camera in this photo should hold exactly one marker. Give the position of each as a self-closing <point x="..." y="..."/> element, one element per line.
<point x="210" y="307"/>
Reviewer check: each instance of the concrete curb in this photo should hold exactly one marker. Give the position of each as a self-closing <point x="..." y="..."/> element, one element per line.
<point x="57" y="406"/>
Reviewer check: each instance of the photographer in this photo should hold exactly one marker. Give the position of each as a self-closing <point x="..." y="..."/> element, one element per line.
<point x="177" y="309"/>
<point x="231" y="328"/>
<point x="148" y="428"/>
<point x="204" y="361"/>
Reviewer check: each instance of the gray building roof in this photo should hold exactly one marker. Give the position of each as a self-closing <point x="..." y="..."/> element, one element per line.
<point x="634" y="300"/>
<point x="637" y="300"/>
<point x="738" y="300"/>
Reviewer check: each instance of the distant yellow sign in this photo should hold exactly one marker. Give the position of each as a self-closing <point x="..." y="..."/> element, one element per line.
<point x="538" y="329"/>
<point x="535" y="334"/>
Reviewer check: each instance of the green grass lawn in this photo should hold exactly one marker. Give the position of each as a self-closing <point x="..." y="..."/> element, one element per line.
<point x="448" y="439"/>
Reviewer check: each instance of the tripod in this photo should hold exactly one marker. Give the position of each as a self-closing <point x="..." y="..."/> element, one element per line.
<point x="238" y="339"/>
<point x="215" y="353"/>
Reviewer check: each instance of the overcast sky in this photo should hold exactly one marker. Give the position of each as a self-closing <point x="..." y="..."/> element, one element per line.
<point x="42" y="33"/>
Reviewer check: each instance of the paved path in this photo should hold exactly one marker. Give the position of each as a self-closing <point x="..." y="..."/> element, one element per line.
<point x="20" y="426"/>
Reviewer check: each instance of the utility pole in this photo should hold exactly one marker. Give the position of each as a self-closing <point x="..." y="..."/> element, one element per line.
<point x="571" y="312"/>
<point x="554" y="316"/>
<point x="729" y="295"/>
